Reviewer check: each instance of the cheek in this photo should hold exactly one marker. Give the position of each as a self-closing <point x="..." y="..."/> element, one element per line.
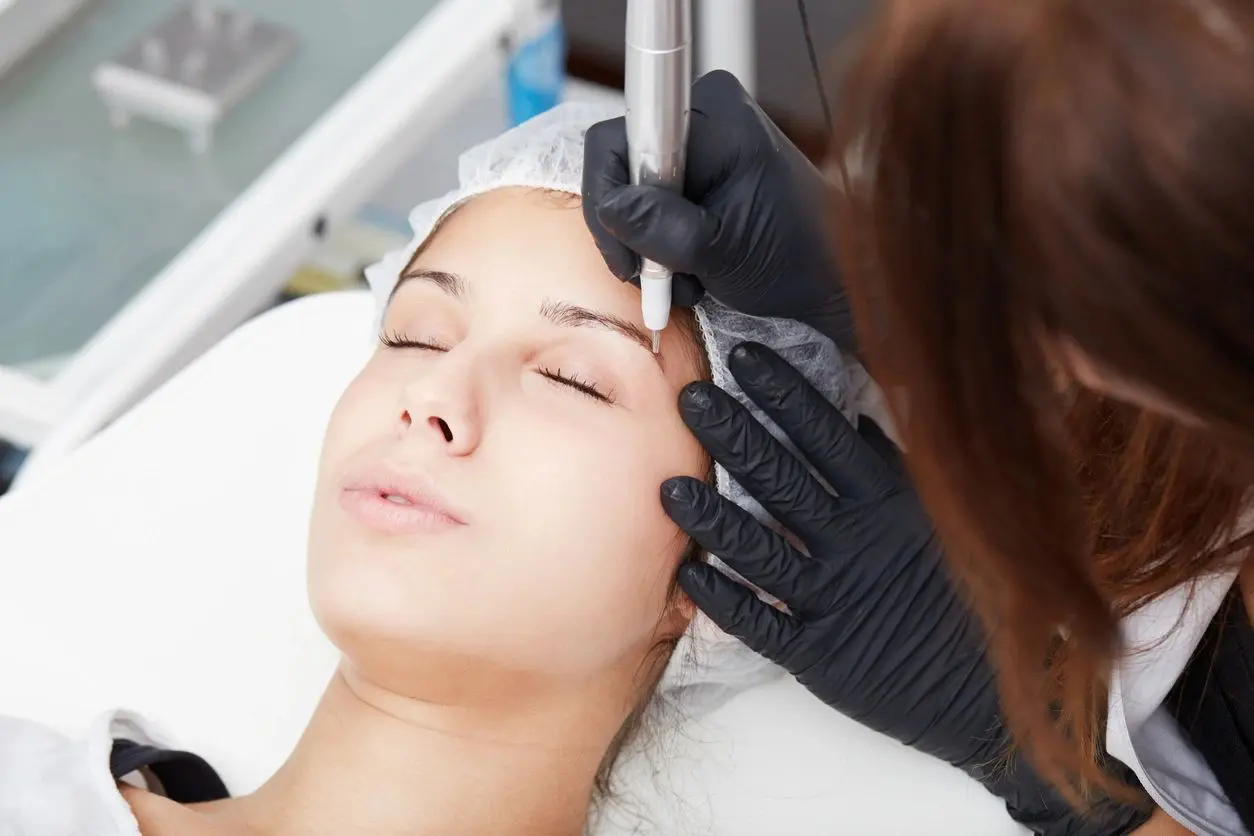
<point x="596" y="525"/>
<point x="360" y="418"/>
<point x="364" y="413"/>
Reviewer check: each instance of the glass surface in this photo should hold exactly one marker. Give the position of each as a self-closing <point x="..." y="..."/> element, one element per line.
<point x="89" y="214"/>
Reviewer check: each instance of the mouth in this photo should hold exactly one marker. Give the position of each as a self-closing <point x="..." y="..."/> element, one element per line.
<point x="395" y="503"/>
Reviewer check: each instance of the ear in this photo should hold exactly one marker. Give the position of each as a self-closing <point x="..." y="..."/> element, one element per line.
<point x="679" y="613"/>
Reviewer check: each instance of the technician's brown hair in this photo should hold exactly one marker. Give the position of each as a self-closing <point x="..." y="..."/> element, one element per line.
<point x="1020" y="177"/>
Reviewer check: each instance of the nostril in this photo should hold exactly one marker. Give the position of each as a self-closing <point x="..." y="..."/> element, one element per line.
<point x="442" y="426"/>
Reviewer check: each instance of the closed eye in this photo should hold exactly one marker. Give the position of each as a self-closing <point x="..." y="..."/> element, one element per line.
<point x="395" y="339"/>
<point x="574" y="382"/>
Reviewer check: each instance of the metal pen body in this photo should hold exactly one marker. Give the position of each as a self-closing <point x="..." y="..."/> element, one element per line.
<point x="659" y="92"/>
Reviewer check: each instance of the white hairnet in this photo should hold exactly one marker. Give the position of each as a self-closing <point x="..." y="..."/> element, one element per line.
<point x="547" y="153"/>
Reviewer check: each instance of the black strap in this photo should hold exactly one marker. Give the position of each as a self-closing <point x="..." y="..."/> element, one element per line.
<point x="185" y="777"/>
<point x="1213" y="703"/>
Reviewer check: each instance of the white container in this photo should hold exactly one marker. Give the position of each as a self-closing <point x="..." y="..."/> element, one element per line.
<point x="192" y="68"/>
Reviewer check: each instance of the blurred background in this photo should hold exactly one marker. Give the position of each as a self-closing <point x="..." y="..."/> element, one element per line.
<point x="170" y="169"/>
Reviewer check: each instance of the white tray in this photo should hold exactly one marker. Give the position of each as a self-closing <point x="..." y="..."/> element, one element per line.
<point x="192" y="68"/>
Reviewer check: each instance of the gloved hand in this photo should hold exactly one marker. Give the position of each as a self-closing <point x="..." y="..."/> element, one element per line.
<point x="750" y="228"/>
<point x="877" y="630"/>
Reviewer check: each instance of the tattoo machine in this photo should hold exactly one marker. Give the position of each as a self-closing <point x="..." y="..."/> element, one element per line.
<point x="658" y="91"/>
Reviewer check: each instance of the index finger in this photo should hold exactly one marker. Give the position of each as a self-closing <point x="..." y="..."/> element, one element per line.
<point x="824" y="436"/>
<point x="759" y="463"/>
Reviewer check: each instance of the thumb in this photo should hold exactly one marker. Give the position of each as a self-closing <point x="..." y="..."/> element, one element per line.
<point x="662" y="226"/>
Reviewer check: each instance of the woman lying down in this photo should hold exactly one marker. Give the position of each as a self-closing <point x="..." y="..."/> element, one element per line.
<point x="487" y="550"/>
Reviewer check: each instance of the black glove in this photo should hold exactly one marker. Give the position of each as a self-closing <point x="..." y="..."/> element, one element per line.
<point x="750" y="228"/>
<point x="877" y="630"/>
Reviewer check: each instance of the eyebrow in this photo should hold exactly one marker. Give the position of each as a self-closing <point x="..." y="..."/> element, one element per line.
<point x="576" y="316"/>
<point x="450" y="283"/>
<point x="563" y="314"/>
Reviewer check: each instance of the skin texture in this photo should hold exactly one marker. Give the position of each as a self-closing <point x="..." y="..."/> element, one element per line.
<point x="486" y="666"/>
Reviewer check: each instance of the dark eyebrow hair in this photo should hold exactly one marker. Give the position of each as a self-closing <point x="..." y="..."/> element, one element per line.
<point x="450" y="283"/>
<point x="575" y="316"/>
<point x="563" y="314"/>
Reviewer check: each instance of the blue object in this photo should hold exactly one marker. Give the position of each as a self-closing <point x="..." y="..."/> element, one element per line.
<point x="536" y="73"/>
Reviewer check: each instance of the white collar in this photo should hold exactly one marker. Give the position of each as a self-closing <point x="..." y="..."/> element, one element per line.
<point x="1160" y="638"/>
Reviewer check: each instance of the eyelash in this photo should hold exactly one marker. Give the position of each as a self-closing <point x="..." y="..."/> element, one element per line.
<point x="393" y="339"/>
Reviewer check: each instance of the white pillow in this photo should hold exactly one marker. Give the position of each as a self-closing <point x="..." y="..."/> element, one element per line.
<point x="162" y="565"/>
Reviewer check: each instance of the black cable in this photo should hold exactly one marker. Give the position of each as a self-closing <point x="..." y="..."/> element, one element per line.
<point x="814" y="63"/>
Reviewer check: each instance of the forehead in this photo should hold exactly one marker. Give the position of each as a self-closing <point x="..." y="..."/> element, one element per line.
<point x="528" y="242"/>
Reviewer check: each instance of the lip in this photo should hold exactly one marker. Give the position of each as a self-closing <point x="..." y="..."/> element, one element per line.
<point x="364" y="495"/>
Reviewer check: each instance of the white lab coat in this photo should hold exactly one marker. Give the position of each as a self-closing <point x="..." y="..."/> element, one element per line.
<point x="1160" y="638"/>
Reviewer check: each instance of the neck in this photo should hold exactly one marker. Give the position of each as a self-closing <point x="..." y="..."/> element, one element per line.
<point x="373" y="762"/>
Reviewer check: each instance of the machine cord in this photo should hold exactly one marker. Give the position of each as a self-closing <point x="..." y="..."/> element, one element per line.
<point x="814" y="63"/>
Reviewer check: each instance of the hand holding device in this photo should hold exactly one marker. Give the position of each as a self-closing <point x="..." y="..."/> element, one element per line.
<point x="751" y="227"/>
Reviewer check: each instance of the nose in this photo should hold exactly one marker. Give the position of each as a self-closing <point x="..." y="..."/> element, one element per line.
<point x="440" y="412"/>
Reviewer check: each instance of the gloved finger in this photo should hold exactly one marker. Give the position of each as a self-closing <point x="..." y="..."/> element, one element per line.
<point x="663" y="226"/>
<point x="826" y="438"/>
<point x="719" y="91"/>
<point x="738" y="612"/>
<point x="605" y="170"/>
<point x="754" y="458"/>
<point x="883" y="446"/>
<point x="729" y="532"/>
<point x="686" y="291"/>
<point x="721" y="108"/>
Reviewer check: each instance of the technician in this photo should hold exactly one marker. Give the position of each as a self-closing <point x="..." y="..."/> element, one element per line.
<point x="1040" y="215"/>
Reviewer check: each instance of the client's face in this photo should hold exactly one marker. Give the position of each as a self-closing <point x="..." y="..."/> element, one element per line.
<point x="487" y="503"/>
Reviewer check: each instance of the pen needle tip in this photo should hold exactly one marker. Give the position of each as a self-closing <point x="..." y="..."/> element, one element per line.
<point x="657" y="341"/>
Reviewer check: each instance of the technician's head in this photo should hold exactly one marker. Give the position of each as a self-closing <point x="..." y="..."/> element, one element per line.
<point x="1060" y="186"/>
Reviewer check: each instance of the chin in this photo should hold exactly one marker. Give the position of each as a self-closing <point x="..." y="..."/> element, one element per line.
<point x="436" y="663"/>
